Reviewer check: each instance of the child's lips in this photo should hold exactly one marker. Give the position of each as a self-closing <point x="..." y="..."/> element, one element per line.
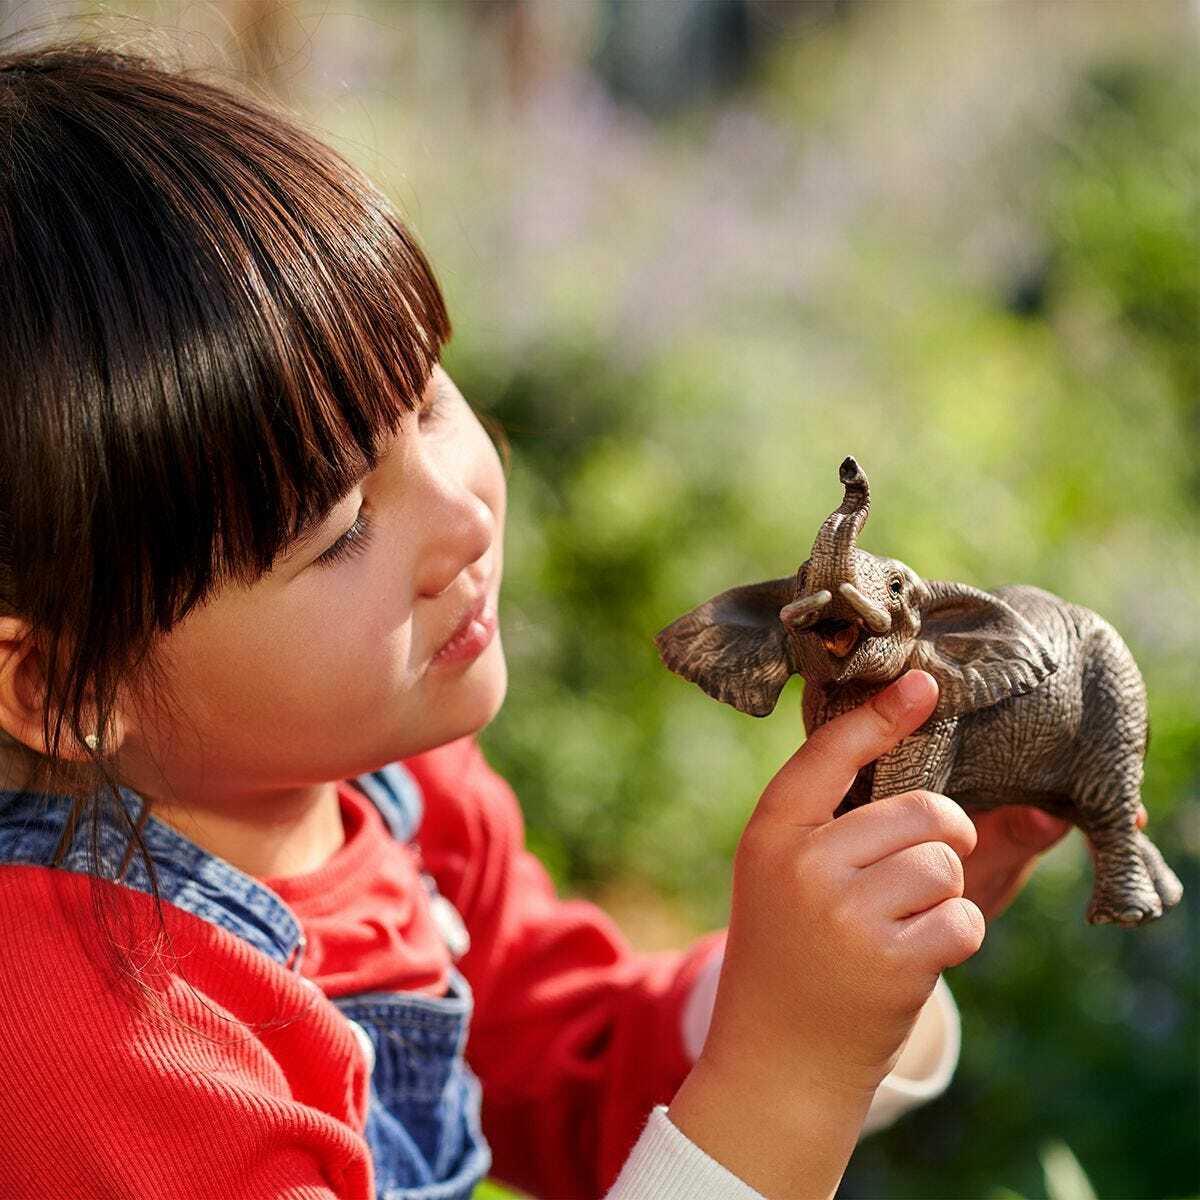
<point x="472" y="639"/>
<point x="474" y="631"/>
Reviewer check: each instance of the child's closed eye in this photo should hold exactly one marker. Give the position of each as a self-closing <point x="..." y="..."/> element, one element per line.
<point x="353" y="541"/>
<point x="358" y="536"/>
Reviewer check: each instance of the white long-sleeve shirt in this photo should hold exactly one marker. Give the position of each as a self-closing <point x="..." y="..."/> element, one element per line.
<point x="667" y="1165"/>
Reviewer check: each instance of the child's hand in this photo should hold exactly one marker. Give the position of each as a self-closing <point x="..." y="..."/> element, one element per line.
<point x="838" y="931"/>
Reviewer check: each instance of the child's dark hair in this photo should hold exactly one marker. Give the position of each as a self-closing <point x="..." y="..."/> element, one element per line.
<point x="210" y="320"/>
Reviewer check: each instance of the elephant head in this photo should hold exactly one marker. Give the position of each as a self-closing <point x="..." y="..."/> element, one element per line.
<point x="851" y="617"/>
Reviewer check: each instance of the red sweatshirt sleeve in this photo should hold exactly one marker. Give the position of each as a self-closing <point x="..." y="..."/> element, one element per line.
<point x="574" y="1036"/>
<point x="100" y="1099"/>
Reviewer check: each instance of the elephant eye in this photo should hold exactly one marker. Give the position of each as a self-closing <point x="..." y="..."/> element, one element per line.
<point x="896" y="586"/>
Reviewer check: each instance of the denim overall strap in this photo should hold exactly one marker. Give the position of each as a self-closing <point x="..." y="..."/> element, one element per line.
<point x="423" y="1122"/>
<point x="397" y="795"/>
<point x="31" y="825"/>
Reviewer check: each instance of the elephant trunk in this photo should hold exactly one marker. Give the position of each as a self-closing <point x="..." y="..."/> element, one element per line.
<point x="831" y="563"/>
<point x="832" y="558"/>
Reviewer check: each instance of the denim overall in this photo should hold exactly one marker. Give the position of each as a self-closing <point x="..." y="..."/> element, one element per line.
<point x="423" y="1121"/>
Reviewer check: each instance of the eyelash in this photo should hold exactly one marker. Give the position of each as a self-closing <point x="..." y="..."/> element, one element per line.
<point x="358" y="537"/>
<point x="353" y="541"/>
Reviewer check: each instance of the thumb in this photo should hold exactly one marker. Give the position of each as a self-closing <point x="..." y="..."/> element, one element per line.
<point x="1029" y="830"/>
<point x="813" y="782"/>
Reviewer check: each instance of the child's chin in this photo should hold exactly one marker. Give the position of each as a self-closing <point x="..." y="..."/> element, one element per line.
<point x="495" y="686"/>
<point x="480" y="689"/>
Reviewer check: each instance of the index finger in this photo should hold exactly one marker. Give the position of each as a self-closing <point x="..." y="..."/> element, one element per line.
<point x="813" y="782"/>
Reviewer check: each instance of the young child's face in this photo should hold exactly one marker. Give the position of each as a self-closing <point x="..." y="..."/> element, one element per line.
<point x="321" y="672"/>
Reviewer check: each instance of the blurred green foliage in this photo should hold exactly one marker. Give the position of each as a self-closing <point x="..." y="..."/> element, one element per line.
<point x="960" y="242"/>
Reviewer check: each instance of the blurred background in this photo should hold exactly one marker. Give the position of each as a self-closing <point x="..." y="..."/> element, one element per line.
<point x="698" y="251"/>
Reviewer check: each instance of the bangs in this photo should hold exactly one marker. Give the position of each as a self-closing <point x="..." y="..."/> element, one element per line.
<point x="215" y="323"/>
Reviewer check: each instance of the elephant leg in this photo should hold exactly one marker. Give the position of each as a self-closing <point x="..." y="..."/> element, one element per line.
<point x="922" y="761"/>
<point x="1124" y="889"/>
<point x="1166" y="882"/>
<point x="1132" y="883"/>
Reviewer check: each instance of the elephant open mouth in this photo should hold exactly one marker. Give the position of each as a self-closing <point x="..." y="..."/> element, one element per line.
<point x="838" y="637"/>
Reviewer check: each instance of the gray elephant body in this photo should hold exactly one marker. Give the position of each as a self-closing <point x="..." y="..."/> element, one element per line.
<point x="1040" y="700"/>
<point x="1060" y="734"/>
<point x="1051" y="736"/>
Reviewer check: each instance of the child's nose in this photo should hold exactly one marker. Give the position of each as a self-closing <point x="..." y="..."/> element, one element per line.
<point x="461" y="532"/>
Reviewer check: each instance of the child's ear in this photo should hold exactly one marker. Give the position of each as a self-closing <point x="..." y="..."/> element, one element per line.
<point x="22" y="697"/>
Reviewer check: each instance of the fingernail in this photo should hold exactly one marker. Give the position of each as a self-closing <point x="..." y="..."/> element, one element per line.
<point x="910" y="689"/>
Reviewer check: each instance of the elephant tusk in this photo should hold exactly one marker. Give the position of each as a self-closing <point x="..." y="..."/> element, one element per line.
<point x="876" y="619"/>
<point x="800" y="613"/>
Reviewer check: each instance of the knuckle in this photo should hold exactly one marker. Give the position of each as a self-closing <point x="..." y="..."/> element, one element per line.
<point x="906" y="953"/>
<point x="823" y="739"/>
<point x="923" y="806"/>
<point x="939" y="867"/>
<point x="945" y="937"/>
<point x="945" y="809"/>
<point x="866" y="731"/>
<point x="943" y="859"/>
<point x="882" y="723"/>
<point x="814" y="872"/>
<point x="952" y="865"/>
<point x="750" y="860"/>
<point x="893" y="957"/>
<point x="844" y="916"/>
<point x="754" y="839"/>
<point x="965" y="927"/>
<point x="927" y="805"/>
<point x="948" y="817"/>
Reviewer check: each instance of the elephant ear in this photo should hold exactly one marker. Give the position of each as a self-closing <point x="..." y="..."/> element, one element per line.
<point x="734" y="645"/>
<point x="979" y="649"/>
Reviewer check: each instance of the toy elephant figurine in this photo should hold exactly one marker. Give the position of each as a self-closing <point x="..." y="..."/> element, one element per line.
<point x="1040" y="700"/>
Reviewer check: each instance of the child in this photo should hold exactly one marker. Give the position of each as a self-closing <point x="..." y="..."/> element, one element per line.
<point x="257" y="880"/>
